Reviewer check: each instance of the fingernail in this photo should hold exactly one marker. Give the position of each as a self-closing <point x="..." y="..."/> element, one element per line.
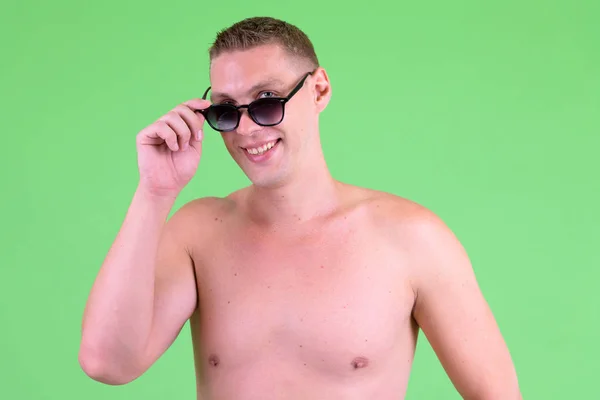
<point x="199" y="135"/>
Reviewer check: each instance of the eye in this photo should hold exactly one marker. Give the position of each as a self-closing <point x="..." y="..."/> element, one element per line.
<point x="267" y="94"/>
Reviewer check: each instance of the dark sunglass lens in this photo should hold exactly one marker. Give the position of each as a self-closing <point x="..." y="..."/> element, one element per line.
<point x="222" y="117"/>
<point x="267" y="111"/>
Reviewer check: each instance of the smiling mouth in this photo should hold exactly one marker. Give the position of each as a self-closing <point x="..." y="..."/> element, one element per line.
<point x="261" y="149"/>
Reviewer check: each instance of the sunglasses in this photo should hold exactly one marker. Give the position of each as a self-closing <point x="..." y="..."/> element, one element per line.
<point x="267" y="111"/>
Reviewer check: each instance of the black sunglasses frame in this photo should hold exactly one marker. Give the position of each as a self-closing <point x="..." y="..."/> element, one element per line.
<point x="237" y="109"/>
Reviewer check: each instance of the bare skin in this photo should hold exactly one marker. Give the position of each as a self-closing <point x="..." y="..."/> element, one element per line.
<point x="297" y="286"/>
<point x="326" y="308"/>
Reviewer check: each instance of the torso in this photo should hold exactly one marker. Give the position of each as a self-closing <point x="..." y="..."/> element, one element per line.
<point x="321" y="313"/>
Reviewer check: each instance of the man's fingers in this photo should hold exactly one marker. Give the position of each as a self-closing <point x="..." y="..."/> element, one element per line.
<point x="175" y="121"/>
<point x="194" y="121"/>
<point x="197" y="104"/>
<point x="178" y="128"/>
<point x="194" y="105"/>
<point x="159" y="132"/>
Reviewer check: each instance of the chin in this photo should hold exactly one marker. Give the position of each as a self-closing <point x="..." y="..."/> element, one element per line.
<point x="271" y="181"/>
<point x="267" y="171"/>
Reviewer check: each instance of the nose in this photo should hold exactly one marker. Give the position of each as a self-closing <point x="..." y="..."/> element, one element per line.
<point x="246" y="126"/>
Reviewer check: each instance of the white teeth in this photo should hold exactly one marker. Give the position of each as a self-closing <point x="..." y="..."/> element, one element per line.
<point x="261" y="149"/>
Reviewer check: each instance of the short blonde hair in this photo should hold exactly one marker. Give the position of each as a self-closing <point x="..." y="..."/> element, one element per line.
<point x="258" y="31"/>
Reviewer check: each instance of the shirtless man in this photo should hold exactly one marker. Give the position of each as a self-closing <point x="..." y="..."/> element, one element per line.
<point x="298" y="286"/>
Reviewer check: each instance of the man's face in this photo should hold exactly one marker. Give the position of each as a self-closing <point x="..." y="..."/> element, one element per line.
<point x="268" y="155"/>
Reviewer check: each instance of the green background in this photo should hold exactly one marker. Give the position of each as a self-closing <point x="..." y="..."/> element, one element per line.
<point x="488" y="114"/>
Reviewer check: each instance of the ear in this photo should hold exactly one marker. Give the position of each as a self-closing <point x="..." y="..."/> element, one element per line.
<point x="321" y="88"/>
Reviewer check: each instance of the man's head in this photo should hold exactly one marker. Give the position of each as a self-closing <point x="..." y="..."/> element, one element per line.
<point x="265" y="58"/>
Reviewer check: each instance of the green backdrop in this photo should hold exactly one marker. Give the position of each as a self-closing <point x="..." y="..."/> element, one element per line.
<point x="488" y="114"/>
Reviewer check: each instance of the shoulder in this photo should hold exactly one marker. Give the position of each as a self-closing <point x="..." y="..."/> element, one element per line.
<point x="400" y="215"/>
<point x="196" y="225"/>
<point x="201" y="216"/>
<point x="412" y="227"/>
<point x="425" y="245"/>
<point x="208" y="207"/>
<point x="199" y="210"/>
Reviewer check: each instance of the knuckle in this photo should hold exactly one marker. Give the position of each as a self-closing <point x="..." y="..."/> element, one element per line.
<point x="162" y="125"/>
<point x="199" y="118"/>
<point x="181" y="108"/>
<point x="168" y="116"/>
<point x="190" y="102"/>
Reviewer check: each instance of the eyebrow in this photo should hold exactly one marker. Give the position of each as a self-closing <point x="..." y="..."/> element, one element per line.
<point x="269" y="83"/>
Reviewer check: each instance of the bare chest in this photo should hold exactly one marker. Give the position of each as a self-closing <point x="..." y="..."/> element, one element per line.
<point x="332" y="304"/>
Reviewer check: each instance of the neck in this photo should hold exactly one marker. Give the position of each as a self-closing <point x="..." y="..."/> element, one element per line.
<point x="311" y="193"/>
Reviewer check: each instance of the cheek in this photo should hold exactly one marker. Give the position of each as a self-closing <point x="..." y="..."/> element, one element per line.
<point x="228" y="141"/>
<point x="228" y="137"/>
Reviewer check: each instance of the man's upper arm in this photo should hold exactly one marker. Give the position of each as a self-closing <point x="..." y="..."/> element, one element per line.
<point x="175" y="289"/>
<point x="454" y="316"/>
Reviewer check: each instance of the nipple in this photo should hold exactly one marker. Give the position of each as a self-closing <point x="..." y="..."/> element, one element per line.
<point x="213" y="360"/>
<point x="359" y="362"/>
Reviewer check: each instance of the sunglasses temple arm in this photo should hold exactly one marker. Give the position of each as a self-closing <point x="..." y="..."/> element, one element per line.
<point x="205" y="93"/>
<point x="203" y="98"/>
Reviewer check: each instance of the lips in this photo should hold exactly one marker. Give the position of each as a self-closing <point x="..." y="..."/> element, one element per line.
<point x="262" y="152"/>
<point x="260" y="148"/>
